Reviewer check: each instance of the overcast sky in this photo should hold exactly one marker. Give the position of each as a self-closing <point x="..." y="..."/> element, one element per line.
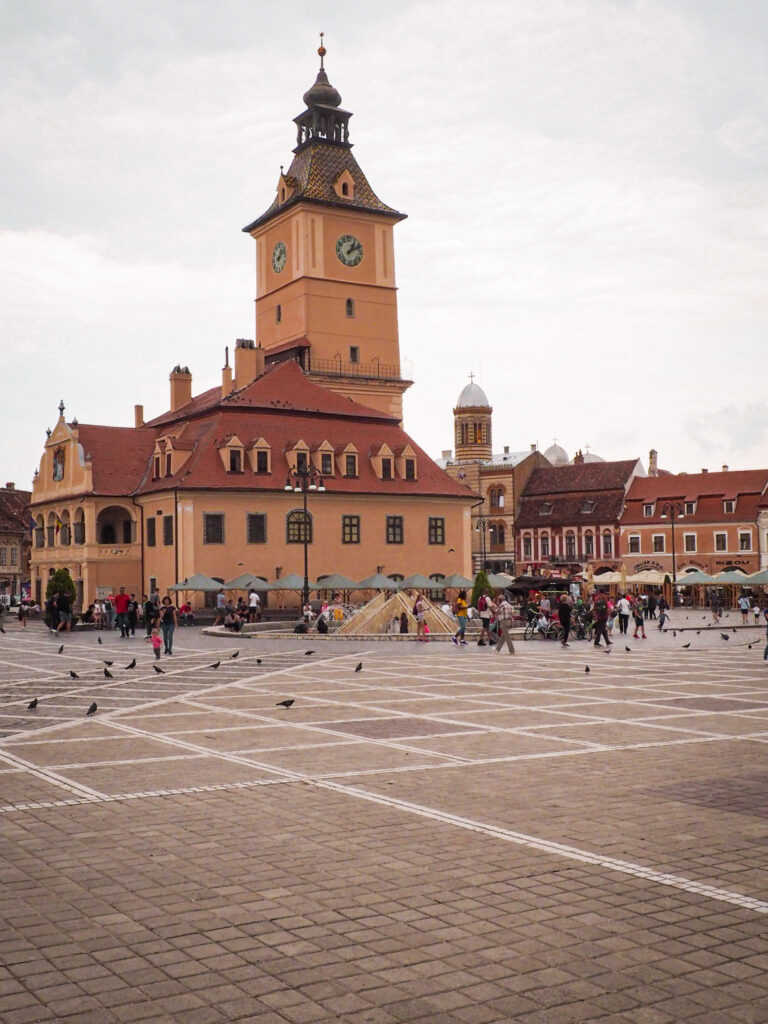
<point x="585" y="182"/>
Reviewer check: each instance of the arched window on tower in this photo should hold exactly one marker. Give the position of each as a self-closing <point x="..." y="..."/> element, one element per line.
<point x="345" y="188"/>
<point x="350" y="303"/>
<point x="465" y="433"/>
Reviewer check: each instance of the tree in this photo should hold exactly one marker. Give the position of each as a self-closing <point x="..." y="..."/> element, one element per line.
<point x="479" y="587"/>
<point x="61" y="583"/>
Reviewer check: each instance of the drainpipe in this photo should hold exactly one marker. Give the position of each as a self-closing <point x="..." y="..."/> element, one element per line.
<point x="141" y="510"/>
<point x="176" y="532"/>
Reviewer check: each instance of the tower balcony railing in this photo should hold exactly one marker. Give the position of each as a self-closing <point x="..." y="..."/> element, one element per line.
<point x="339" y="368"/>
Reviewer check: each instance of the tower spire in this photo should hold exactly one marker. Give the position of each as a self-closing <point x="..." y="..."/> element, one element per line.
<point x="321" y="50"/>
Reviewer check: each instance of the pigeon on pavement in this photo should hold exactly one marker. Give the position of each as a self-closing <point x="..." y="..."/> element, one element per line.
<point x="587" y="669"/>
<point x="215" y="664"/>
<point x="92" y="709"/>
<point x="160" y="671"/>
<point x="308" y="653"/>
<point x="61" y="648"/>
<point x="687" y="645"/>
<point x="108" y="674"/>
<point x="32" y="706"/>
<point x="73" y="675"/>
<point x="627" y="648"/>
<point x="132" y="665"/>
<point x="235" y="655"/>
<point x="108" y="663"/>
<point x="98" y="640"/>
<point x="258" y="661"/>
<point x="725" y="636"/>
<point x="283" y="703"/>
<point x="359" y="667"/>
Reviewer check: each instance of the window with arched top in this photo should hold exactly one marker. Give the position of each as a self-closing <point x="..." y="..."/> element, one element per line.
<point x="527" y="546"/>
<point x="544" y="544"/>
<point x="298" y="527"/>
<point x="607" y="545"/>
<point x="350" y="307"/>
<point x="500" y="535"/>
<point x="345" y="188"/>
<point x="79" y="526"/>
<point x="282" y="195"/>
<point x="589" y="545"/>
<point x="570" y="545"/>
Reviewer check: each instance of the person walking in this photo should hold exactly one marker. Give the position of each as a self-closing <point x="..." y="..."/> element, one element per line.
<point x="600" y="610"/>
<point x="652" y="603"/>
<point x="150" y="614"/>
<point x="639" y="617"/>
<point x="743" y="603"/>
<point x="505" y="615"/>
<point x="23" y="612"/>
<point x="460" y="611"/>
<point x="221" y="607"/>
<point x="109" y="613"/>
<point x="122" y="603"/>
<point x="133" y="614"/>
<point x="484" y="611"/>
<point x="420" y="614"/>
<point x="64" y="608"/>
<point x="564" y="615"/>
<point x="624" y="608"/>
<point x="168" y="623"/>
<point x="254" y="607"/>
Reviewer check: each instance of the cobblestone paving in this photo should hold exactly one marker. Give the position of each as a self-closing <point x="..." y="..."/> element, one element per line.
<point x="447" y="836"/>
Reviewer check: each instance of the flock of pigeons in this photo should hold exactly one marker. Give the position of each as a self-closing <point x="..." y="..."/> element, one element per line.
<point x="93" y="707"/>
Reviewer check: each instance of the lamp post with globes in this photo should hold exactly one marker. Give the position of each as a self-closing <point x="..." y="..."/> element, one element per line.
<point x="673" y="510"/>
<point x="302" y="479"/>
<point x="482" y="523"/>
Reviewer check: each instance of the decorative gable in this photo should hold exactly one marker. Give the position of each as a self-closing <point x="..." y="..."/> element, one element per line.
<point x="286" y="186"/>
<point x="232" y="454"/>
<point x="260" y="456"/>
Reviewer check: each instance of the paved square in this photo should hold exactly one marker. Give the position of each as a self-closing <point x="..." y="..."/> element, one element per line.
<point x="447" y="836"/>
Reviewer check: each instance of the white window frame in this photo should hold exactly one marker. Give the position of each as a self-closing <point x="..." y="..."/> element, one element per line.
<point x="745" y="533"/>
<point x="721" y="533"/>
<point x="663" y="538"/>
<point x="632" y="537"/>
<point x="686" y="549"/>
<point x="646" y="507"/>
<point x="690" y="508"/>
<point x="726" y="502"/>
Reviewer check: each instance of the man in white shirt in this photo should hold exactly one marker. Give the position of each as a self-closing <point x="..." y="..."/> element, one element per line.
<point x="254" y="607"/>
<point x="624" y="608"/>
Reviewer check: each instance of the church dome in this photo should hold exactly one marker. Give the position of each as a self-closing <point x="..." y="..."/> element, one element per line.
<point x="557" y="455"/>
<point x="472" y="397"/>
<point x="591" y="457"/>
<point x="322" y="92"/>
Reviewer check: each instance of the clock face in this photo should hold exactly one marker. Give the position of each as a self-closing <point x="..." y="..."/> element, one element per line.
<point x="349" y="250"/>
<point x="279" y="257"/>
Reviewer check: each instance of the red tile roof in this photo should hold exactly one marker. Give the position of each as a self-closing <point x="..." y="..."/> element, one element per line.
<point x="567" y="488"/>
<point x="14" y="510"/>
<point x="585" y="476"/>
<point x="708" y="490"/>
<point x="281" y="406"/>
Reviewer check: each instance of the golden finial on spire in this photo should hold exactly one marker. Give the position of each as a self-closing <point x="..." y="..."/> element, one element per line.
<point x="321" y="50"/>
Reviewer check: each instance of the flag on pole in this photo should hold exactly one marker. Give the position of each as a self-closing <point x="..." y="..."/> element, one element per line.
<point x="59" y="524"/>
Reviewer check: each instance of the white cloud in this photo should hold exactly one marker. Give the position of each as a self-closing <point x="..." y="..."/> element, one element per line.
<point x="585" y="184"/>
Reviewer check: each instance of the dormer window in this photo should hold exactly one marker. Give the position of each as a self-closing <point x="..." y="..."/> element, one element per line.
<point x="588" y="506"/>
<point x="410" y="469"/>
<point x="262" y="461"/>
<point x="690" y="508"/>
<point x="156" y="468"/>
<point x="168" y="464"/>
<point x="729" y="505"/>
<point x="648" y="511"/>
<point x="350" y="465"/>
<point x="344" y="188"/>
<point x="386" y="469"/>
<point x="326" y="464"/>
<point x="282" y="195"/>
<point x="546" y="508"/>
<point x="235" y="460"/>
<point x="301" y="461"/>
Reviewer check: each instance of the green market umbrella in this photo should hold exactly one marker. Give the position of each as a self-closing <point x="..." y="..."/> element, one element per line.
<point x="456" y="582"/>
<point x="246" y="581"/>
<point x="337" y="582"/>
<point x="377" y="582"/>
<point x="420" y="582"/>
<point x="198" y="581"/>
<point x="289" y="582"/>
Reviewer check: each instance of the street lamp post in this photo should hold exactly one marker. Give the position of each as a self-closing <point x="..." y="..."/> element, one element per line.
<point x="300" y="480"/>
<point x="675" y="510"/>
<point x="482" y="524"/>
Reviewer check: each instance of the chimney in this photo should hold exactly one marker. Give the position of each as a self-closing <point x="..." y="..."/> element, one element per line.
<point x="249" y="362"/>
<point x="725" y="469"/>
<point x="226" y="375"/>
<point x="533" y="447"/>
<point x="506" y="449"/>
<point x="10" y="486"/>
<point x="703" y="470"/>
<point x="578" y="458"/>
<point x="653" y="462"/>
<point x="181" y="387"/>
<point x="138" y="415"/>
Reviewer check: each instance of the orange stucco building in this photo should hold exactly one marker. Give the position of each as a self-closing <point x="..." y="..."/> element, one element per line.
<point x="202" y="487"/>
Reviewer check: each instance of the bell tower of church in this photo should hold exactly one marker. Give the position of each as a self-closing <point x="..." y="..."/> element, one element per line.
<point x="325" y="263"/>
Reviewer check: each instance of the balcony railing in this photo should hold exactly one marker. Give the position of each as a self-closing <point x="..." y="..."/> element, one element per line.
<point x="339" y="368"/>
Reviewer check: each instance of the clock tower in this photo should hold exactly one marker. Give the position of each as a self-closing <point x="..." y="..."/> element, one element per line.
<point x="325" y="263"/>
